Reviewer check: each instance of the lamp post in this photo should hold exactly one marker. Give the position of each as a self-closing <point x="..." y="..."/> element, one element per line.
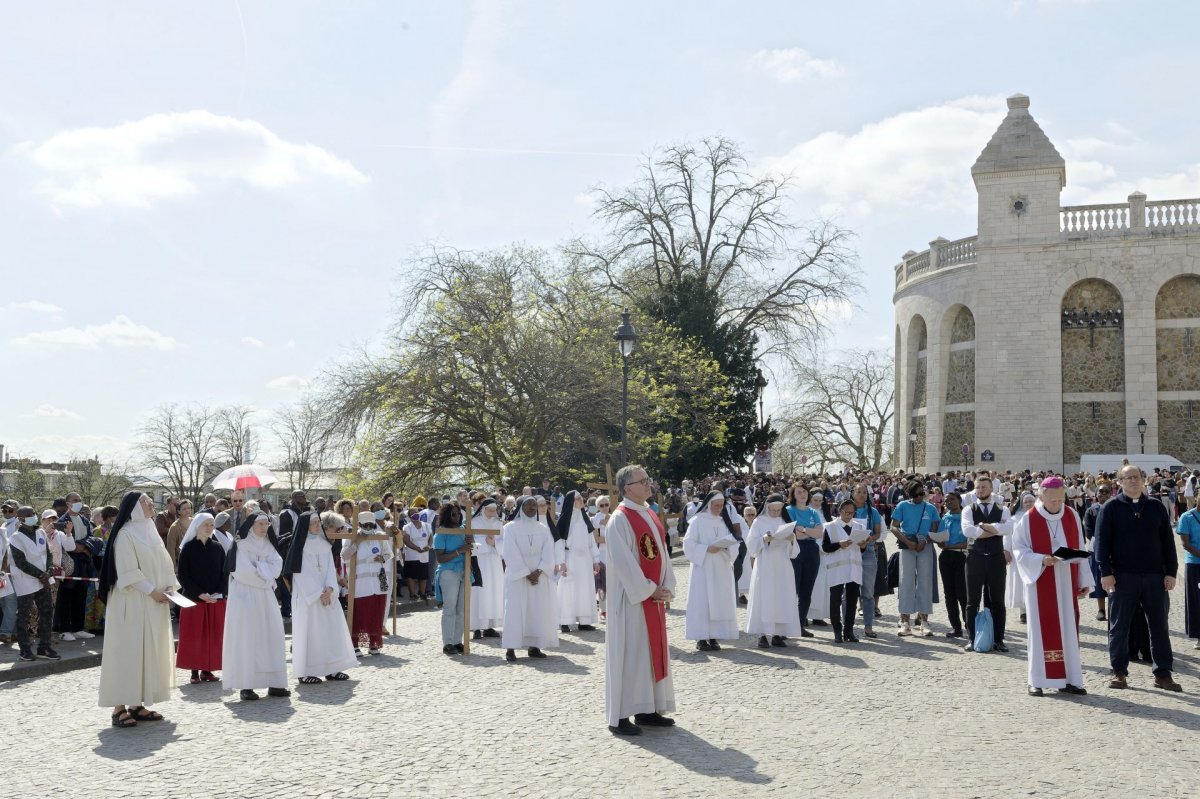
<point x="1141" y="427"/>
<point x="624" y="335"/>
<point x="912" y="447"/>
<point x="966" y="451"/>
<point x="760" y="383"/>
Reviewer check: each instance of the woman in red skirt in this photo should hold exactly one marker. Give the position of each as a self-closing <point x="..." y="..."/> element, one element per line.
<point x="371" y="559"/>
<point x="203" y="580"/>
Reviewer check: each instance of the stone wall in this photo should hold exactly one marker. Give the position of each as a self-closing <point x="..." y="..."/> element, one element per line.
<point x="1179" y="430"/>
<point x="1089" y="366"/>
<point x="1084" y="435"/>
<point x="919" y="448"/>
<point x="1178" y="298"/>
<point x="960" y="383"/>
<point x="958" y="428"/>
<point x="1096" y="295"/>
<point x="964" y="327"/>
<point x="1178" y="363"/>
<point x="920" y="381"/>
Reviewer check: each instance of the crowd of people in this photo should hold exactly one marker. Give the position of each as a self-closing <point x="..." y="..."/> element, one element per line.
<point x="802" y="552"/>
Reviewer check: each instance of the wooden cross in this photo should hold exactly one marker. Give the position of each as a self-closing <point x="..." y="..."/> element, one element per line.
<point x="469" y="532"/>
<point x="353" y="569"/>
<point x="610" y="486"/>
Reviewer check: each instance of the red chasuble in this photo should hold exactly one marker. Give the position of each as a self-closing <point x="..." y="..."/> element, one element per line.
<point x="650" y="559"/>
<point x="1047" y="591"/>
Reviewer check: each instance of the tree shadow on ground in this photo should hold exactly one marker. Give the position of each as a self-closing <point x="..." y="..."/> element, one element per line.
<point x="696" y="754"/>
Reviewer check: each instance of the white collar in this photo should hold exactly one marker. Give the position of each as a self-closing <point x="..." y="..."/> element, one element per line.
<point x="1054" y="517"/>
<point x="629" y="503"/>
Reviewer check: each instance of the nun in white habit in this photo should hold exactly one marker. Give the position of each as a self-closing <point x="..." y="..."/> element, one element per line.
<point x="710" y="546"/>
<point x="487" y="600"/>
<point x="530" y="610"/>
<point x="137" y="667"/>
<point x="578" y="559"/>
<point x="320" y="641"/>
<point x="254" y="655"/>
<point x="773" y="611"/>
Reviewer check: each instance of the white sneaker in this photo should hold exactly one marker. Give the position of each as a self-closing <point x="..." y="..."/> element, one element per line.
<point x="1197" y="644"/>
<point x="926" y="632"/>
<point x="84" y="635"/>
<point x="905" y="629"/>
<point x="66" y="637"/>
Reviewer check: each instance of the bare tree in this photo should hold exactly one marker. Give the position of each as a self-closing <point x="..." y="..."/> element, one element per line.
<point x="179" y="446"/>
<point x="846" y="408"/>
<point x="235" y="440"/>
<point x="29" y="487"/>
<point x="305" y="439"/>
<point x="697" y="210"/>
<point x="99" y="484"/>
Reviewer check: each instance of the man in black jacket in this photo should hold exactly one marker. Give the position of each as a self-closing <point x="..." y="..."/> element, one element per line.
<point x="1136" y="553"/>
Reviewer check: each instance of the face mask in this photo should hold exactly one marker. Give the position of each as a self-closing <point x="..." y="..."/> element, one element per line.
<point x="76" y="507"/>
<point x="379" y="514"/>
<point x="29" y="521"/>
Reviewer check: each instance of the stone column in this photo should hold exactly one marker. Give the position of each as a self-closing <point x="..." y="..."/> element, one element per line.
<point x="1137" y="212"/>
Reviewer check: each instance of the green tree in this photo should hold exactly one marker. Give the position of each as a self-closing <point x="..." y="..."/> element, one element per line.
<point x="29" y="487"/>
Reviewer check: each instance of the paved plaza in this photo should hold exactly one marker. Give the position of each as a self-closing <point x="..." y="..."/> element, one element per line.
<point x="890" y="717"/>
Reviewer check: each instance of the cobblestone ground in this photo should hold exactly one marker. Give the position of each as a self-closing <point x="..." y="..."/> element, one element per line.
<point x="890" y="717"/>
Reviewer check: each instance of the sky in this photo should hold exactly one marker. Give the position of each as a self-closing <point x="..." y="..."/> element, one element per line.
<point x="216" y="202"/>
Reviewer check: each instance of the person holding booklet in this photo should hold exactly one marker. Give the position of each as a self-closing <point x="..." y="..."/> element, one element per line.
<point x="912" y="522"/>
<point x="709" y="546"/>
<point x="773" y="610"/>
<point x="843" y="569"/>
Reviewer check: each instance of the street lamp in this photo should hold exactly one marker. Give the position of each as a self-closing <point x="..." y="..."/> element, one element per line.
<point x="760" y="383"/>
<point x="912" y="447"/>
<point x="966" y="451"/>
<point x="624" y="335"/>
<point x="1141" y="426"/>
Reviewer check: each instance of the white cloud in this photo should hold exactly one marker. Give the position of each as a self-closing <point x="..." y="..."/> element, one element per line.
<point x="62" y="447"/>
<point x="795" y="64"/>
<point x="50" y="412"/>
<point x="918" y="158"/>
<point x="291" y="344"/>
<point x="288" y="383"/>
<point x="32" y="306"/>
<point x="120" y="333"/>
<point x="477" y="71"/>
<point x="251" y="341"/>
<point x="173" y="155"/>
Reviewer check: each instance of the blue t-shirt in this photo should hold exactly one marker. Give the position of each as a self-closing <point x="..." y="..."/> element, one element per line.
<point x="805" y="517"/>
<point x="915" y="520"/>
<point x="876" y="519"/>
<point x="1189" y="527"/>
<point x="448" y="542"/>
<point x="952" y="523"/>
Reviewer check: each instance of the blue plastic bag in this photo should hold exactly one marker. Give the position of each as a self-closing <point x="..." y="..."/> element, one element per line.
<point x="985" y="635"/>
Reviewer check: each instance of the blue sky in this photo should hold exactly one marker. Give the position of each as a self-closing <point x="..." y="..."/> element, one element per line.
<point x="215" y="201"/>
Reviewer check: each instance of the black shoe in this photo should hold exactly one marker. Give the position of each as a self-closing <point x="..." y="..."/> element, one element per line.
<point x="653" y="720"/>
<point x="850" y="638"/>
<point x="48" y="654"/>
<point x="743" y="601"/>
<point x="837" y="637"/>
<point x="1023" y="617"/>
<point x="1000" y="647"/>
<point x="449" y="649"/>
<point x="819" y="623"/>
<point x="626" y="727"/>
<point x="477" y="635"/>
<point x="459" y="648"/>
<point x="954" y="634"/>
<point x="27" y="655"/>
<point x="1036" y="692"/>
<point x="763" y="643"/>
<point x="490" y="633"/>
<point x="586" y="628"/>
<point x="564" y="628"/>
<point x="806" y="634"/>
<point x="280" y="692"/>
<point x="777" y="640"/>
<point x="246" y="695"/>
<point x="510" y="656"/>
<point x="713" y="645"/>
<point x="1074" y="690"/>
<point x="534" y="652"/>
<point x="703" y="645"/>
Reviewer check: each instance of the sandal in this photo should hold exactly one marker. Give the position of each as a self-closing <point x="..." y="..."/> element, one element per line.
<point x="208" y="676"/>
<point x="123" y="720"/>
<point x="310" y="680"/>
<point x="144" y="714"/>
<point x="341" y="675"/>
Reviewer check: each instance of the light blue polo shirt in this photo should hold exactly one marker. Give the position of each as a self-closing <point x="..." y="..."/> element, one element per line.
<point x="1189" y="527"/>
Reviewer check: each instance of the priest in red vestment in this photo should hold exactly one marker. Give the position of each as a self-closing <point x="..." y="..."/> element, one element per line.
<point x="1053" y="586"/>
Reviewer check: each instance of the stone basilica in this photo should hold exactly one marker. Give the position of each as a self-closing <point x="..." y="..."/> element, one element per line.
<point x="1098" y="353"/>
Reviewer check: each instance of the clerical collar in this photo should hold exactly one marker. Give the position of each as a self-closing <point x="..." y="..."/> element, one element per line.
<point x="629" y="503"/>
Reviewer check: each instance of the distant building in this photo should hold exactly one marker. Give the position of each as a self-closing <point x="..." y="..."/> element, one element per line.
<point x="1053" y="332"/>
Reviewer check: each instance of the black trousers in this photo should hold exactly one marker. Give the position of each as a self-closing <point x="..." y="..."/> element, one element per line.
<point x="1123" y="604"/>
<point x="837" y="613"/>
<point x="986" y="575"/>
<point x="737" y="565"/>
<point x="71" y="606"/>
<point x="25" y="606"/>
<point x="952" y="563"/>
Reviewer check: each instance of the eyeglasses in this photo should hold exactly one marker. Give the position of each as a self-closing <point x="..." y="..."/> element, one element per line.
<point x="635" y="482"/>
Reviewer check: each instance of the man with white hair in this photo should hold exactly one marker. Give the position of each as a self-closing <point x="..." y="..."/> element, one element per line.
<point x="1048" y="549"/>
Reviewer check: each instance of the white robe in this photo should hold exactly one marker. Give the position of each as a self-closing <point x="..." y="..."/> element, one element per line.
<point x="629" y="685"/>
<point x="598" y="522"/>
<point x="711" y="601"/>
<point x="577" y="590"/>
<point x="253" y="649"/>
<point x="320" y="641"/>
<point x="530" y="615"/>
<point x="772" y="609"/>
<point x="844" y="566"/>
<point x="487" y="600"/>
<point x="1014" y="588"/>
<point x="138" y="664"/>
<point x="1031" y="567"/>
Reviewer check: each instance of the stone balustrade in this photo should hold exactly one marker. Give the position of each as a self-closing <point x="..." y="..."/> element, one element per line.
<point x="940" y="255"/>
